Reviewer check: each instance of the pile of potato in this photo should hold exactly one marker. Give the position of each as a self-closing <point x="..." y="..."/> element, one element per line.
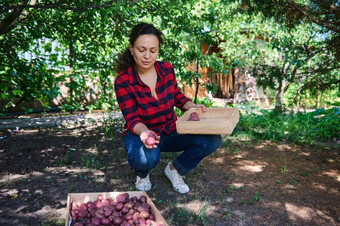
<point x="122" y="210"/>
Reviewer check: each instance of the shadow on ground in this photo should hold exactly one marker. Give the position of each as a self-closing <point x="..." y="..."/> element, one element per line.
<point x="242" y="183"/>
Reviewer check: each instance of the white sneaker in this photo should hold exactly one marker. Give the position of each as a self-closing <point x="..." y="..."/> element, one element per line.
<point x="177" y="181"/>
<point x="143" y="184"/>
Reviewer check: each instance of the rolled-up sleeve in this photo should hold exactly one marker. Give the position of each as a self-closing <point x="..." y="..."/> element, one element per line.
<point x="127" y="104"/>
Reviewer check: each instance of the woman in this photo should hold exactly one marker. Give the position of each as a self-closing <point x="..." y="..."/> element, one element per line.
<point x="147" y="91"/>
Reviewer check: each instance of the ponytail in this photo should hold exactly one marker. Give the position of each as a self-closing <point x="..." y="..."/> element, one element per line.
<point x="124" y="61"/>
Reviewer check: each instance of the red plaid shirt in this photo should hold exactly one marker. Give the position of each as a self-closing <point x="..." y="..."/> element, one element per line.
<point x="139" y="106"/>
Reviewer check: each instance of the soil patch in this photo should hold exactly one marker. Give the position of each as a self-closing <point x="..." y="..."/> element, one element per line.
<point x="242" y="183"/>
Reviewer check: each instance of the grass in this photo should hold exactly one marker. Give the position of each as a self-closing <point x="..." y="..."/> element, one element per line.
<point x="56" y="222"/>
<point x="183" y="216"/>
<point x="255" y="198"/>
<point x="227" y="213"/>
<point x="230" y="189"/>
<point x="66" y="158"/>
<point x="303" y="128"/>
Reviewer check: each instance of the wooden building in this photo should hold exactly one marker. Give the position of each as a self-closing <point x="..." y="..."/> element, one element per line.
<point x="235" y="87"/>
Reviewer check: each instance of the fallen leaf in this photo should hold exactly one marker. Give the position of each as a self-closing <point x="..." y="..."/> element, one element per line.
<point x="14" y="196"/>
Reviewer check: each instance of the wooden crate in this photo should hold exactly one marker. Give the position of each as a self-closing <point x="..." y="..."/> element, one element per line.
<point x="212" y="121"/>
<point x="85" y="197"/>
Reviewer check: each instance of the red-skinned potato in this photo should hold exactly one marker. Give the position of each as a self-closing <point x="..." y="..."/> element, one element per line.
<point x="99" y="214"/>
<point x="117" y="220"/>
<point x="142" y="198"/>
<point x="74" y="218"/>
<point x="78" y="224"/>
<point x="83" y="213"/>
<point x="106" y="202"/>
<point x="122" y="198"/>
<point x="98" y="204"/>
<point x="150" y="141"/>
<point x="125" y="210"/>
<point x="129" y="204"/>
<point x="115" y="213"/>
<point x="193" y="117"/>
<point x="135" y="216"/>
<point x="144" y="214"/>
<point x="152" y="134"/>
<point x="83" y="206"/>
<point x="128" y="217"/>
<point x="131" y="211"/>
<point x="95" y="221"/>
<point x="100" y="197"/>
<point x="107" y="212"/>
<point x="75" y="206"/>
<point x="73" y="213"/>
<point x="141" y="221"/>
<point x="105" y="221"/>
<point x="119" y="206"/>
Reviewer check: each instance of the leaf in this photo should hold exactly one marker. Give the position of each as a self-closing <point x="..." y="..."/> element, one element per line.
<point x="14" y="196"/>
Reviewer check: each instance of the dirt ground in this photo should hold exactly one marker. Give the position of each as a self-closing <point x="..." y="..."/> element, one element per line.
<point x="243" y="183"/>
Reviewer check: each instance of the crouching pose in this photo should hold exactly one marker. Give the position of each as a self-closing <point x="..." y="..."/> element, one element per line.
<point x="147" y="92"/>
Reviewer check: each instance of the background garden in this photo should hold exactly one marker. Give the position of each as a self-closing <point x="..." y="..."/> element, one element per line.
<point x="280" y="165"/>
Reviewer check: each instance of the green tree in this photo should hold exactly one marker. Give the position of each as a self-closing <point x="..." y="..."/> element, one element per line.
<point x="310" y="59"/>
<point x="87" y="33"/>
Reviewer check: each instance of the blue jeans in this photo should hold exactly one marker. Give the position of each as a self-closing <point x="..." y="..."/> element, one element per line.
<point x="194" y="148"/>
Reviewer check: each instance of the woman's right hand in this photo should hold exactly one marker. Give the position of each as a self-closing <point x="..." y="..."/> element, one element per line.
<point x="149" y="139"/>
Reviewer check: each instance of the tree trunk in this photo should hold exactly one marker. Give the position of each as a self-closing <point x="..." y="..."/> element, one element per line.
<point x="266" y="100"/>
<point x="196" y="82"/>
<point x="278" y="98"/>
<point x="298" y="98"/>
<point x="318" y="97"/>
<point x="71" y="71"/>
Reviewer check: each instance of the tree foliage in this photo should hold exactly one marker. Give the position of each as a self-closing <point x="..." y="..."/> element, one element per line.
<point x="308" y="45"/>
<point x="76" y="43"/>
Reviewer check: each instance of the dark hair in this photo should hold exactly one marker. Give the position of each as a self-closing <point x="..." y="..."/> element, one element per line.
<point x="125" y="59"/>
